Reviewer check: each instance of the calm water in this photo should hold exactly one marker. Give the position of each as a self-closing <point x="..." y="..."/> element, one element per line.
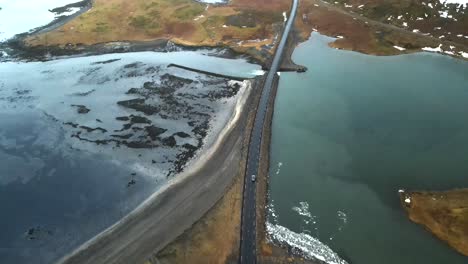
<point x="58" y="186"/>
<point x="352" y="131"/>
<point x="22" y="16"/>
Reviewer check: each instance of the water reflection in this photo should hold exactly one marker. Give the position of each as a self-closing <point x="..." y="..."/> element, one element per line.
<point x="351" y="132"/>
<point x="83" y="141"/>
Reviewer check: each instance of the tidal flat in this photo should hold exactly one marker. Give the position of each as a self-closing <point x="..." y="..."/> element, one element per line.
<point x="85" y="140"/>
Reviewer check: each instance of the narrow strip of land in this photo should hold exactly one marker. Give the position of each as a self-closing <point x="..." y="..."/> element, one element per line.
<point x="248" y="250"/>
<point x="169" y="212"/>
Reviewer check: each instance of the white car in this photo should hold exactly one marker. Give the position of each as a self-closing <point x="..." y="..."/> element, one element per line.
<point x="253" y="177"/>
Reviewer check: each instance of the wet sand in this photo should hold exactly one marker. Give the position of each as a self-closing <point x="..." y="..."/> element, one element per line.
<point x="172" y="210"/>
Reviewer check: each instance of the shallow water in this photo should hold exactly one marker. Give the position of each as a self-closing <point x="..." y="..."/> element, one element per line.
<point x="73" y="160"/>
<point x="352" y="131"/>
<point x="22" y="16"/>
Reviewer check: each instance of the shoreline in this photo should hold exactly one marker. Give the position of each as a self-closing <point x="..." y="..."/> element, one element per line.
<point x="354" y="21"/>
<point x="202" y="225"/>
<point x="270" y="251"/>
<point x="58" y="21"/>
<point x="61" y="20"/>
<point x="20" y="52"/>
<point x="187" y="198"/>
<point x="443" y="214"/>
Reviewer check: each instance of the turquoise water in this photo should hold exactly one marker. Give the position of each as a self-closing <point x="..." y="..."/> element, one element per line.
<point x="351" y="132"/>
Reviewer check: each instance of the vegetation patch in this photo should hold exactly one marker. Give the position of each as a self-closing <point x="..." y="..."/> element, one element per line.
<point x="189" y="12"/>
<point x="185" y="22"/>
<point x="445" y="214"/>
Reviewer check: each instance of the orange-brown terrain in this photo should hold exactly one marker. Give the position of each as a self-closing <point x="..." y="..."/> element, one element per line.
<point x="381" y="27"/>
<point x="241" y="24"/>
<point x="445" y="214"/>
<point x="370" y="26"/>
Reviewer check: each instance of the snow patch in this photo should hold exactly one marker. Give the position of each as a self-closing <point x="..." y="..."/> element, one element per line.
<point x="70" y="11"/>
<point x="198" y="17"/>
<point x="459" y="2"/>
<point x="438" y="49"/>
<point x="258" y="72"/>
<point x="444" y="14"/>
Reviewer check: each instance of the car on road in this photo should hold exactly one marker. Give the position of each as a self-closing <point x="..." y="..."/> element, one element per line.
<point x="253" y="177"/>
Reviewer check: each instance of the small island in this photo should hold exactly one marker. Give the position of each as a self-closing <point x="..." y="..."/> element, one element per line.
<point x="445" y="214"/>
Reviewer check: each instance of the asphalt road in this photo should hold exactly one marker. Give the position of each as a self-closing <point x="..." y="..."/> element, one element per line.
<point x="248" y="222"/>
<point x="174" y="208"/>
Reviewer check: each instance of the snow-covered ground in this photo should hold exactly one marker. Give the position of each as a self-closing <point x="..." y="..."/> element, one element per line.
<point x="460" y="2"/>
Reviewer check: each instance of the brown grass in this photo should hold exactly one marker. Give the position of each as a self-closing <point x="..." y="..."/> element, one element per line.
<point x="187" y="22"/>
<point x="365" y="31"/>
<point x="445" y="214"/>
<point x="184" y="21"/>
<point x="213" y="239"/>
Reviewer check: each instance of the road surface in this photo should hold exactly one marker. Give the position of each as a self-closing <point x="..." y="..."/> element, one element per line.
<point x="248" y="218"/>
<point x="174" y="208"/>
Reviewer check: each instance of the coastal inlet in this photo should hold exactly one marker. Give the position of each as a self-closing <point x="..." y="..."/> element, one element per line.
<point x="83" y="141"/>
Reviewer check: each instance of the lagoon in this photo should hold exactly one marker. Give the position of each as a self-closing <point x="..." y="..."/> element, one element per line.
<point x="351" y="132"/>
